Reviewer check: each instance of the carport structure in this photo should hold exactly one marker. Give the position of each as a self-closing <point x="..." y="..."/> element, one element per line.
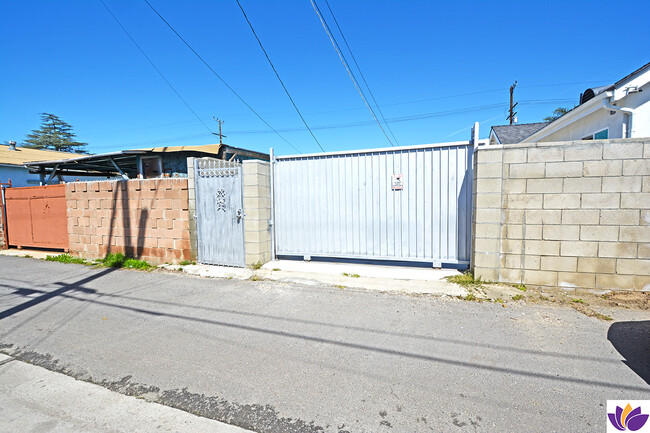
<point x="144" y="163"/>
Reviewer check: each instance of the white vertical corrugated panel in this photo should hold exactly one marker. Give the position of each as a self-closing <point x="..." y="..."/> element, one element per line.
<point x="343" y="205"/>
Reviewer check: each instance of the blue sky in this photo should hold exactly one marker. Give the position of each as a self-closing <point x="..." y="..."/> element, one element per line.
<point x="434" y="67"/>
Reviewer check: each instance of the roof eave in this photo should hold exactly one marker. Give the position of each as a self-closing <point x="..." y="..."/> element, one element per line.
<point x="577" y="113"/>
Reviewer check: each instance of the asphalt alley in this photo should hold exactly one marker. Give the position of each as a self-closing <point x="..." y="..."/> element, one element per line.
<point x="277" y="357"/>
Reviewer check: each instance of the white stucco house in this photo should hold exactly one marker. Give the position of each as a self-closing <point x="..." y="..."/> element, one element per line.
<point x="620" y="110"/>
<point x="12" y="159"/>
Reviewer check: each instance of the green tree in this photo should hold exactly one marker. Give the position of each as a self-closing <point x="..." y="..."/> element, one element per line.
<point x="557" y="113"/>
<point x="54" y="134"/>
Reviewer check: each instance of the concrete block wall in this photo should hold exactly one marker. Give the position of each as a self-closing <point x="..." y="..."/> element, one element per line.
<point x="257" y="210"/>
<point x="574" y="215"/>
<point x="191" y="206"/>
<point x="147" y="219"/>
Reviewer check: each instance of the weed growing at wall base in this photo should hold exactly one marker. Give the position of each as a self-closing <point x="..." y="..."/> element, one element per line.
<point x="119" y="260"/>
<point x="67" y="258"/>
<point x="466" y="280"/>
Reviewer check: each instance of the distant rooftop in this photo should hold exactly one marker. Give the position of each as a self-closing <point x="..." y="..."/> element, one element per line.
<point x="21" y="155"/>
<point x="510" y="134"/>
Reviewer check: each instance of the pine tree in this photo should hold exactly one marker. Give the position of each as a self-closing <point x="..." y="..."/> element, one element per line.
<point x="54" y="134"/>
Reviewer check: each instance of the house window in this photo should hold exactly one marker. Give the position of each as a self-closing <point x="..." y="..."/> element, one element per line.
<point x="600" y="135"/>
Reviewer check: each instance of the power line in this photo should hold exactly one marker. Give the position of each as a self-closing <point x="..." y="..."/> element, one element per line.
<point x="219" y="77"/>
<point x="347" y="67"/>
<point x="360" y="72"/>
<point x="391" y="120"/>
<point x="278" y="76"/>
<point x="154" y="66"/>
<point x="408" y="118"/>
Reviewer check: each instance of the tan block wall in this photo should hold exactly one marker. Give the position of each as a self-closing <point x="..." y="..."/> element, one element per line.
<point x="191" y="206"/>
<point x="147" y="219"/>
<point x="257" y="210"/>
<point x="574" y="215"/>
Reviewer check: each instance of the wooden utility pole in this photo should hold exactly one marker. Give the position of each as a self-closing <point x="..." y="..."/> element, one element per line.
<point x="512" y="106"/>
<point x="221" y="136"/>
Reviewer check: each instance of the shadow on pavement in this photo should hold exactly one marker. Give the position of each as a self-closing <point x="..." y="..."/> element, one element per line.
<point x="632" y="340"/>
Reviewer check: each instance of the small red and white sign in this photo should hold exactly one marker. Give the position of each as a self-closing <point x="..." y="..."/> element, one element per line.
<point x="397" y="182"/>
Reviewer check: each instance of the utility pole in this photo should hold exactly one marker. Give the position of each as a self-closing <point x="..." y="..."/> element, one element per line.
<point x="221" y="136"/>
<point x="512" y="106"/>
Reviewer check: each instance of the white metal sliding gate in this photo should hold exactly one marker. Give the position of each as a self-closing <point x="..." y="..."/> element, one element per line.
<point x="406" y="203"/>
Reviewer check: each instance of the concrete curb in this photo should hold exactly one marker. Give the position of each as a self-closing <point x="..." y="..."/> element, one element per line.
<point x="343" y="275"/>
<point x="35" y="399"/>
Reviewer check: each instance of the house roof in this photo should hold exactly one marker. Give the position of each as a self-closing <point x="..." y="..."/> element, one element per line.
<point x="22" y="155"/>
<point x="127" y="160"/>
<point x="627" y="78"/>
<point x="509" y="134"/>
<point x="586" y="102"/>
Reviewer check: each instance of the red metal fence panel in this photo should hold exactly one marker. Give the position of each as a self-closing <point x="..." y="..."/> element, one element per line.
<point x="37" y="216"/>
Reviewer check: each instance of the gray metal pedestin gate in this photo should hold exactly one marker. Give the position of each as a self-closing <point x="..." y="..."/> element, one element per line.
<point x="404" y="203"/>
<point x="219" y="212"/>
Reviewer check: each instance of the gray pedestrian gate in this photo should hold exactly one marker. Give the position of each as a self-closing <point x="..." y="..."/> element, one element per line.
<point x="404" y="203"/>
<point x="219" y="212"/>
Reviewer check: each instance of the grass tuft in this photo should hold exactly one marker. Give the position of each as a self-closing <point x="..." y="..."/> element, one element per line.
<point x="468" y="297"/>
<point x="518" y="297"/>
<point x="345" y="274"/>
<point x="578" y="301"/>
<point x="521" y="287"/>
<point x="257" y="265"/>
<point x="466" y="280"/>
<point x="66" y="258"/>
<point x="276" y="269"/>
<point x="186" y="262"/>
<point x="119" y="260"/>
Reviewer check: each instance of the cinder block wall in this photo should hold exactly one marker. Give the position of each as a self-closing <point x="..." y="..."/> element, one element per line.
<point x="191" y="197"/>
<point x="257" y="210"/>
<point x="147" y="219"/>
<point x="574" y="215"/>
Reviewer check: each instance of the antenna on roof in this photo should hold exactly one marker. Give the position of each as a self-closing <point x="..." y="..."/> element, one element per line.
<point x="512" y="117"/>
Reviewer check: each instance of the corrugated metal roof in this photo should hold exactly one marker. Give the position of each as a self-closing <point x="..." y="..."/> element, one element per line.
<point x="206" y="148"/>
<point x="22" y="155"/>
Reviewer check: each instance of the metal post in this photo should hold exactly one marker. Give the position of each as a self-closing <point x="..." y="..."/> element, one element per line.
<point x="512" y="107"/>
<point x="4" y="214"/>
<point x="49" y="179"/>
<point x="272" y="220"/>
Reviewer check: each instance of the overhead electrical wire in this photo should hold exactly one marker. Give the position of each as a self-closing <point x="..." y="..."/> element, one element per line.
<point x="354" y="59"/>
<point x="278" y="76"/>
<point x="219" y="76"/>
<point x="361" y="123"/>
<point x="347" y="67"/>
<point x="457" y="95"/>
<point x="404" y="118"/>
<point x="154" y="66"/>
